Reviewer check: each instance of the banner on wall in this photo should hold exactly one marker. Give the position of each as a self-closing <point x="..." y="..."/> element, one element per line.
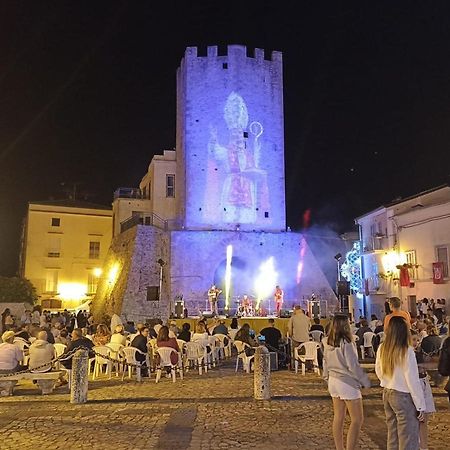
<point x="404" y="277"/>
<point x="438" y="272"/>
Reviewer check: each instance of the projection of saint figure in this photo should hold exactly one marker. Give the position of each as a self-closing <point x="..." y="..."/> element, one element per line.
<point x="244" y="193"/>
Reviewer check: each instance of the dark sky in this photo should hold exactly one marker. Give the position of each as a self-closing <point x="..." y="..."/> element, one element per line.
<point x="87" y="96"/>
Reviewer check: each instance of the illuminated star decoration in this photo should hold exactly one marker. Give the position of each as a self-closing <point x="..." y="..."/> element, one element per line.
<point x="351" y="267"/>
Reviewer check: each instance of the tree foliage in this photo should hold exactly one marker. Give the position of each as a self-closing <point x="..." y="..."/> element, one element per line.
<point x="17" y="290"/>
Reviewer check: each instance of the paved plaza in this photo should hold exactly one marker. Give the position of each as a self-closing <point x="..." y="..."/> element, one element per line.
<point x="212" y="411"/>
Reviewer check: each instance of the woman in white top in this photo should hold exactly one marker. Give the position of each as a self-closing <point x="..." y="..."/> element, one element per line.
<point x="345" y="378"/>
<point x="403" y="399"/>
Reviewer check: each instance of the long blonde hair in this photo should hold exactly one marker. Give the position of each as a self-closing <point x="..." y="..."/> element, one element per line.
<point x="393" y="350"/>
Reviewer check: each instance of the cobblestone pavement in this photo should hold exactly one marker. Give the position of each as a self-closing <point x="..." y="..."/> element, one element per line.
<point x="212" y="411"/>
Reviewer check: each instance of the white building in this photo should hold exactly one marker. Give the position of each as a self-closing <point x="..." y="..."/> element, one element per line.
<point x="414" y="231"/>
<point x="154" y="202"/>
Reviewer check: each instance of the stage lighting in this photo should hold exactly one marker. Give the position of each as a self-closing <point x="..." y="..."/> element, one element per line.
<point x="337" y="257"/>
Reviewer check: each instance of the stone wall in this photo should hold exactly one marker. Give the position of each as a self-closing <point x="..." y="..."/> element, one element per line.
<point x="134" y="255"/>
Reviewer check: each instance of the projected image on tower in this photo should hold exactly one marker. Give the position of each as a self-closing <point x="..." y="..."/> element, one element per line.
<point x="236" y="148"/>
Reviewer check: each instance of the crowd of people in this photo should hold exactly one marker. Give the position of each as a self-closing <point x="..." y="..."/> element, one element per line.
<point x="406" y="350"/>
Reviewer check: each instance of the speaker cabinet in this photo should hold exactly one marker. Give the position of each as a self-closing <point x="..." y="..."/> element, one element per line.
<point x="343" y="287"/>
<point x="153" y="293"/>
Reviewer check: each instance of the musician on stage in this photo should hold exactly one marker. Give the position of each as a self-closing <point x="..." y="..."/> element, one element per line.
<point x="213" y="297"/>
<point x="278" y="297"/>
<point x="247" y="306"/>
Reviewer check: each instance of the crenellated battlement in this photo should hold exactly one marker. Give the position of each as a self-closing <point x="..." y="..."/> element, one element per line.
<point x="235" y="51"/>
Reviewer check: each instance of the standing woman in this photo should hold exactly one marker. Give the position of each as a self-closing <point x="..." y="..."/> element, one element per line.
<point x="403" y="399"/>
<point x="444" y="362"/>
<point x="345" y="378"/>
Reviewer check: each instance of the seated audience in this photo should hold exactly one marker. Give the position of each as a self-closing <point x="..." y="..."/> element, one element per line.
<point x="78" y="340"/>
<point x="140" y="342"/>
<point x="272" y="336"/>
<point x="220" y="328"/>
<point x="41" y="352"/>
<point x="118" y="337"/>
<point x="185" y="333"/>
<point x="24" y="333"/>
<point x="102" y="335"/>
<point x="431" y="344"/>
<point x="243" y="335"/>
<point x="201" y="336"/>
<point x="317" y="326"/>
<point x="163" y="340"/>
<point x="63" y="337"/>
<point x="10" y="354"/>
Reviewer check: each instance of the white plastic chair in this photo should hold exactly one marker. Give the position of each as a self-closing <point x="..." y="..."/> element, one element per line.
<point x="101" y="361"/>
<point x="381" y="336"/>
<point x="115" y="354"/>
<point x="246" y="360"/>
<point x="129" y="356"/>
<point x="367" y="344"/>
<point x="224" y="350"/>
<point x="165" y="361"/>
<point x="59" y="350"/>
<point x="213" y="355"/>
<point x="309" y="355"/>
<point x="23" y="346"/>
<point x="232" y="333"/>
<point x="316" y="335"/>
<point x="195" y="353"/>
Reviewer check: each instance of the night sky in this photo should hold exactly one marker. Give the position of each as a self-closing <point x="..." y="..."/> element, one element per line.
<point x="87" y="96"/>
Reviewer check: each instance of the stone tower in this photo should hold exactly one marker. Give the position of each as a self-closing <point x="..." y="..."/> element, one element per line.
<point x="230" y="141"/>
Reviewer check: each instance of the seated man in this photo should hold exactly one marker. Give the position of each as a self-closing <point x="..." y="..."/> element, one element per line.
<point x="10" y="354"/>
<point x="41" y="353"/>
<point x="220" y="328"/>
<point x="272" y="336"/>
<point x="140" y="342"/>
<point x="317" y="326"/>
<point x="77" y="341"/>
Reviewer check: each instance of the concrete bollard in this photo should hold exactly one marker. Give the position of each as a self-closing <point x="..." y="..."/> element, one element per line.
<point x="79" y="377"/>
<point x="261" y="383"/>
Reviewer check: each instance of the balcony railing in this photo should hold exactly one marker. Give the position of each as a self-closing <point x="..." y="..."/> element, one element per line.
<point x="150" y="219"/>
<point x="125" y="192"/>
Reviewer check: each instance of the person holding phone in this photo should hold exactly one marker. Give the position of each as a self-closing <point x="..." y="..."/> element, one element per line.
<point x="403" y="398"/>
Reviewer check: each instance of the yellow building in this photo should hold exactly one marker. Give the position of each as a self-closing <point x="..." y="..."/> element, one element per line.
<point x="64" y="245"/>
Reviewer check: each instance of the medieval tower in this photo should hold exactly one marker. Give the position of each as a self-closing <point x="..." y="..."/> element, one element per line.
<point x="230" y="140"/>
<point x="213" y="211"/>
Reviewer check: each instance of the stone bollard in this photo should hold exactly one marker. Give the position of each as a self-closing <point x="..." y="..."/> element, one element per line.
<point x="79" y="377"/>
<point x="261" y="383"/>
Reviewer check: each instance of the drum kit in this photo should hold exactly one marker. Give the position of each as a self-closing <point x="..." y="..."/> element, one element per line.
<point x="245" y="306"/>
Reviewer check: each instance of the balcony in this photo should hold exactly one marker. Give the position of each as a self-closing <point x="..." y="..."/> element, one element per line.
<point x="150" y="219"/>
<point x="125" y="192"/>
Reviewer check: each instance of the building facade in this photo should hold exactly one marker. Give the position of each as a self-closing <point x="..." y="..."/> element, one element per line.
<point x="216" y="207"/>
<point x="64" y="245"/>
<point x="405" y="250"/>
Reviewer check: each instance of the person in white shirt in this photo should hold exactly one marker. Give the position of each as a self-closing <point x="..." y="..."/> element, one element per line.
<point x="403" y="399"/>
<point x="10" y="354"/>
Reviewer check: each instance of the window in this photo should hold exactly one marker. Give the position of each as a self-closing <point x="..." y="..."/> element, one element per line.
<point x="94" y="250"/>
<point x="411" y="259"/>
<point x="56" y="221"/>
<point x="442" y="256"/>
<point x="51" y="281"/>
<point x="224" y="65"/>
<point x="245" y="134"/>
<point x="144" y="192"/>
<point x="92" y="283"/>
<point x="170" y="185"/>
<point x="54" y="247"/>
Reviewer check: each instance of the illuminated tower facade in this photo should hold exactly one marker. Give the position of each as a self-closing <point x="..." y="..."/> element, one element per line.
<point x="230" y="140"/>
